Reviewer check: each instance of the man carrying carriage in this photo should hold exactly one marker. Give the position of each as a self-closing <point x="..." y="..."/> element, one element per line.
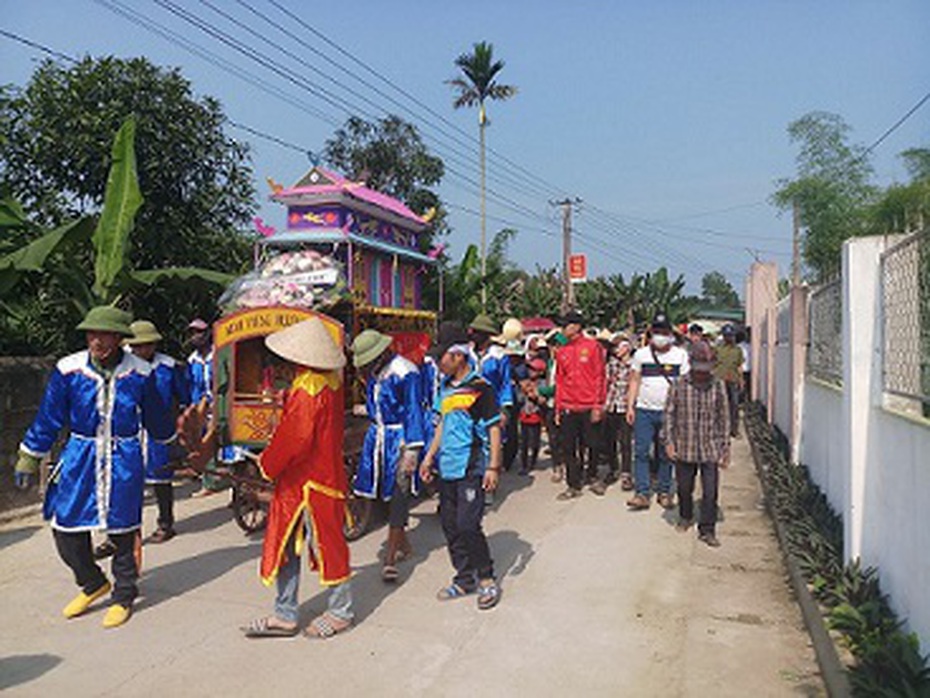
<point x="104" y="397"/>
<point x="395" y="437"/>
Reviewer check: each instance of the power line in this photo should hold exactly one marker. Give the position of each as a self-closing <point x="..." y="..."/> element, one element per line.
<point x="269" y="137"/>
<point x="348" y="54"/>
<point x="896" y="125"/>
<point x="32" y="44"/>
<point x="503" y="179"/>
<point x="313" y="88"/>
<point x="213" y="59"/>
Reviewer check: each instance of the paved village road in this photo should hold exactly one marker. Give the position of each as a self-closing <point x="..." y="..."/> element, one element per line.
<point x="597" y="602"/>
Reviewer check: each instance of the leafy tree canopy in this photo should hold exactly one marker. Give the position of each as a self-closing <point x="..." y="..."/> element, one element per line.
<point x="195" y="183"/>
<point x="718" y="293"/>
<point x="832" y="188"/>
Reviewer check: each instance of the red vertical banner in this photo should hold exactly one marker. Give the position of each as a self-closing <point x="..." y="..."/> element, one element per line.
<point x="578" y="268"/>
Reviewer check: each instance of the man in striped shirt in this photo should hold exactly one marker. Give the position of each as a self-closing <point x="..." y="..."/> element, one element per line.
<point x="696" y="434"/>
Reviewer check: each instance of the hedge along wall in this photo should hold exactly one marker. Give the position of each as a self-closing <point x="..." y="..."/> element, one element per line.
<point x="22" y="380"/>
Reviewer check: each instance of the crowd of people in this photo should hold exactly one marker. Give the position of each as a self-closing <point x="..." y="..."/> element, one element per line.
<point x="651" y="411"/>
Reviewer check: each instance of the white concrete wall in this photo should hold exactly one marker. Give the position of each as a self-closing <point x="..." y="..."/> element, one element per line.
<point x="870" y="458"/>
<point x="896" y="536"/>
<point x="822" y="440"/>
<point x="781" y="414"/>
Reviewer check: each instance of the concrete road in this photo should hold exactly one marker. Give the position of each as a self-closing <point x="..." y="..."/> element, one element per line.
<point x="597" y="601"/>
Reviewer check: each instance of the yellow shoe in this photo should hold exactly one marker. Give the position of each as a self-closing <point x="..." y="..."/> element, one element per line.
<point x="116" y="615"/>
<point x="82" y="601"/>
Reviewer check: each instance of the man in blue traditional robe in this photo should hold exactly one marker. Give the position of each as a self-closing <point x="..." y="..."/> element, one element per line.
<point x="104" y="397"/>
<point x="171" y="380"/>
<point x="200" y="383"/>
<point x="390" y="453"/>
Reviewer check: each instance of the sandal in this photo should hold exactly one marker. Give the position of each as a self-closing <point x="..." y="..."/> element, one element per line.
<point x="453" y="591"/>
<point x="326" y="626"/>
<point x="570" y="493"/>
<point x="162" y="535"/>
<point x="389" y="573"/>
<point x="488" y="595"/>
<point x="261" y="628"/>
<point x="626" y="482"/>
<point x="106" y="549"/>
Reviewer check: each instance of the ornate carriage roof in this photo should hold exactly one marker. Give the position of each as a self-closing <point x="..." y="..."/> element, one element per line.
<point x="324" y="186"/>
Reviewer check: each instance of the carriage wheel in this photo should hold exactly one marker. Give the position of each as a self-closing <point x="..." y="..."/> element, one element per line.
<point x="358" y="517"/>
<point x="249" y="508"/>
<point x="358" y="509"/>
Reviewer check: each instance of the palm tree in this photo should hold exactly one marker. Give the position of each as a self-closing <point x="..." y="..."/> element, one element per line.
<point x="478" y="84"/>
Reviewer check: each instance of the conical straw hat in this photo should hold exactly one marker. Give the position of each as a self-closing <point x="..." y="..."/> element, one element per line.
<point x="307" y="343"/>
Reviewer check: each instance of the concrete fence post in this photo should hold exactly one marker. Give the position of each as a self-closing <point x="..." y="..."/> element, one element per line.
<point x="862" y="378"/>
<point x="798" y="339"/>
<point x="761" y="295"/>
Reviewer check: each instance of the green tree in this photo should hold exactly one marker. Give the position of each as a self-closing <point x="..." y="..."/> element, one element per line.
<point x="832" y="188"/>
<point x="113" y="279"/>
<point x="904" y="207"/>
<point x="464" y="282"/>
<point x="196" y="181"/>
<point x="475" y="87"/>
<point x="717" y="292"/>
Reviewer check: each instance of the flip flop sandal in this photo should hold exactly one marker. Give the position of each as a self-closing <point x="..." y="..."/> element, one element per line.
<point x="389" y="573"/>
<point x="453" y="591"/>
<point x="323" y="627"/>
<point x="626" y="483"/>
<point x="488" y="596"/>
<point x="260" y="628"/>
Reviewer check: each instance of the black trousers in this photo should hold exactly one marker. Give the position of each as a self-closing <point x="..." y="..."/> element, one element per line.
<point x="511" y="437"/>
<point x="164" y="496"/>
<point x="555" y="439"/>
<point x="618" y="442"/>
<point x="733" y="400"/>
<point x="579" y="436"/>
<point x="530" y="435"/>
<point x="686" y="474"/>
<point x="461" y="509"/>
<point x="399" y="506"/>
<point x="77" y="553"/>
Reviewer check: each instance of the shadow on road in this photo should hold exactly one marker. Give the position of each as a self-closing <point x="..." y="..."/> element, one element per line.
<point x="511" y="482"/>
<point x="176" y="578"/>
<point x="23" y="668"/>
<point x="510" y="552"/>
<point x="8" y="538"/>
<point x="204" y="520"/>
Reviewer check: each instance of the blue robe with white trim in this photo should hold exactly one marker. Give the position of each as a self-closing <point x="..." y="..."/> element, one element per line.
<point x="200" y="377"/>
<point x="494" y="367"/>
<point x="395" y="409"/>
<point x="430" y="382"/>
<point x="171" y="383"/>
<point x="99" y="479"/>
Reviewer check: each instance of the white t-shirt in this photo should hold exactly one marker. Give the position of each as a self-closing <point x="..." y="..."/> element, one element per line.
<point x="747" y="356"/>
<point x="653" y="388"/>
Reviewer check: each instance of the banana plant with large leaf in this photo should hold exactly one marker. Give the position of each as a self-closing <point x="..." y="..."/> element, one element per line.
<point x="109" y="237"/>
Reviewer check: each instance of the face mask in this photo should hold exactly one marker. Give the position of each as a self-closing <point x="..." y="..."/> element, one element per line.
<point x="661" y="341"/>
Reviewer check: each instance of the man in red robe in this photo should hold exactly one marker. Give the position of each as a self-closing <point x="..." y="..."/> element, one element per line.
<point x="305" y="461"/>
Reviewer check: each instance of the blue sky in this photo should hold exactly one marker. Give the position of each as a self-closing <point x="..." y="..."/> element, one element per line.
<point x="653" y="113"/>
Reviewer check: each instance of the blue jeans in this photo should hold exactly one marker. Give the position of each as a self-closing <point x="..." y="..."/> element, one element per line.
<point x="286" y="605"/>
<point x="647" y="425"/>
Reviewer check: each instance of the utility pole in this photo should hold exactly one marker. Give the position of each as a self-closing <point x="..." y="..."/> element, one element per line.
<point x="796" y="245"/>
<point x="567" y="294"/>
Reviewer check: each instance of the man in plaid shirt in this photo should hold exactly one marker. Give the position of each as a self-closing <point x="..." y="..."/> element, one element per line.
<point x="618" y="434"/>
<point x="696" y="433"/>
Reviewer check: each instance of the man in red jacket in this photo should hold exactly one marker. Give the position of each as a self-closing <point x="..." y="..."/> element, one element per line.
<point x="580" y="394"/>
